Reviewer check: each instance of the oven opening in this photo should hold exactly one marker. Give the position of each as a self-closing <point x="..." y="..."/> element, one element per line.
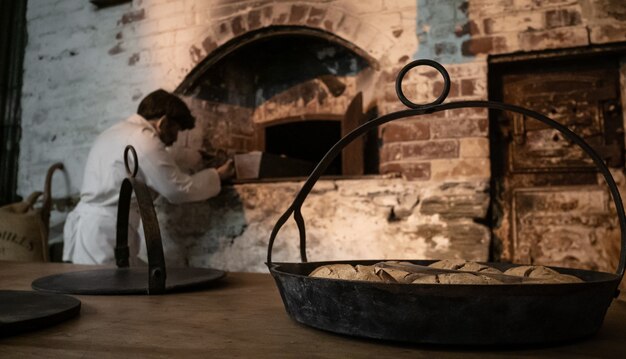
<point x="283" y="96"/>
<point x="307" y="141"/>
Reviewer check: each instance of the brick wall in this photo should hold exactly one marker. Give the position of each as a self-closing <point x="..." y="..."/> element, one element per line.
<point x="87" y="68"/>
<point x="460" y="34"/>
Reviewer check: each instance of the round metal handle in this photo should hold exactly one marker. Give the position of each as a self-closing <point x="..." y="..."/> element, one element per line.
<point x="431" y="63"/>
<point x="130" y="173"/>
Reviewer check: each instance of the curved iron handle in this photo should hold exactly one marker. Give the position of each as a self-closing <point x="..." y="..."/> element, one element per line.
<point x="152" y="234"/>
<point x="46" y="207"/>
<point x="436" y="106"/>
<point x="47" y="191"/>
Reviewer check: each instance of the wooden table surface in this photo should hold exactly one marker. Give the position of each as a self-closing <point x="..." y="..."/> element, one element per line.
<point x="242" y="318"/>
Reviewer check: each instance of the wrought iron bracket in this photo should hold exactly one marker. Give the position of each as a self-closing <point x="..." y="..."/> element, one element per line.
<point x="152" y="234"/>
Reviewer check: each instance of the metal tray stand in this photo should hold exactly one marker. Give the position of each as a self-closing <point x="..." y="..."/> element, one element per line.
<point x="125" y="279"/>
<point x="506" y="314"/>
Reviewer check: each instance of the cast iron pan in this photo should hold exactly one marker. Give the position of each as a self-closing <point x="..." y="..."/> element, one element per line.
<point x="132" y="280"/>
<point x="22" y="311"/>
<point x="506" y="314"/>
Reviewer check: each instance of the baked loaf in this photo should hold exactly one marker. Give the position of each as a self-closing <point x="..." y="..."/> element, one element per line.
<point x="541" y="274"/>
<point x="463" y="265"/>
<point x="454" y="271"/>
<point x="346" y="271"/>
<point x="457" y="278"/>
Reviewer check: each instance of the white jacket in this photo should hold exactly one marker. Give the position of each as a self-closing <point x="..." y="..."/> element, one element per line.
<point x="89" y="232"/>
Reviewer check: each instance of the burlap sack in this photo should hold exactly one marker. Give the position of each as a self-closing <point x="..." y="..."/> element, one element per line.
<point x="24" y="228"/>
<point x="23" y="234"/>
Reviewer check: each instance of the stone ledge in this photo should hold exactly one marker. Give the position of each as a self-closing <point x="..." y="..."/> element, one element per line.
<point x="357" y="219"/>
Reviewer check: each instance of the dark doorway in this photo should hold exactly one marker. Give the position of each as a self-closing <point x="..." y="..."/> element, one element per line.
<point x="549" y="206"/>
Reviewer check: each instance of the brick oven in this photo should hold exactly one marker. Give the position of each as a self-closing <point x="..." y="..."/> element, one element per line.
<point x="292" y="77"/>
<point x="283" y="90"/>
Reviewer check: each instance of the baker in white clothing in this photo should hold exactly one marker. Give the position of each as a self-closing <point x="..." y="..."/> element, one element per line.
<point x="89" y="232"/>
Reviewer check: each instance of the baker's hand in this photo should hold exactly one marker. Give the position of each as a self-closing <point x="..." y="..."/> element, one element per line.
<point x="227" y="170"/>
<point x="214" y="159"/>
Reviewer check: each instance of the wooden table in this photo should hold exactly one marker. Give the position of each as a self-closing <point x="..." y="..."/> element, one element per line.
<point x="243" y="317"/>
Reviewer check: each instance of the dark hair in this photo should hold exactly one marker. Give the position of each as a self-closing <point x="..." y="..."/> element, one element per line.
<point x="160" y="103"/>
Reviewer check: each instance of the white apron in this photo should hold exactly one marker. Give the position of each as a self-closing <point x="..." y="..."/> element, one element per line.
<point x="89" y="232"/>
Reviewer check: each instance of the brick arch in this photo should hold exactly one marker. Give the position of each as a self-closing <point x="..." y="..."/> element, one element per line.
<point x="236" y="42"/>
<point x="326" y="17"/>
<point x="333" y="108"/>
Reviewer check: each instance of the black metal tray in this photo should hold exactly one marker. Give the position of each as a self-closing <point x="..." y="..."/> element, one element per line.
<point x="504" y="314"/>
<point x="22" y="311"/>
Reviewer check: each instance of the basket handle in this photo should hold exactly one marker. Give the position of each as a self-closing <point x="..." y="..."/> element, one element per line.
<point x="437" y="106"/>
<point x="47" y="192"/>
<point x="47" y="207"/>
<point x="152" y="234"/>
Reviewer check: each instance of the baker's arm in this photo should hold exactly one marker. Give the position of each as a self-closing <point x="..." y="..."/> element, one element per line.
<point x="163" y="175"/>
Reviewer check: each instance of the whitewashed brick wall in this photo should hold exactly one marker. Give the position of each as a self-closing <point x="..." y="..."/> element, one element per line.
<point x="86" y="68"/>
